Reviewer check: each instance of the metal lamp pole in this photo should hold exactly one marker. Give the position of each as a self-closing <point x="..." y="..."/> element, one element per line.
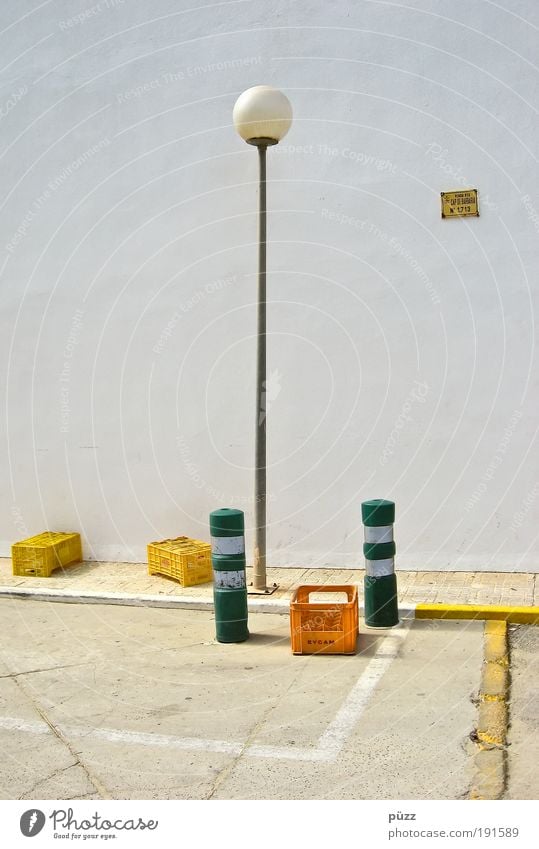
<point x="259" y="570"/>
<point x="262" y="116"/>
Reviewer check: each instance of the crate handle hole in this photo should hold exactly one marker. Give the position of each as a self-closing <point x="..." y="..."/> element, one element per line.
<point x="328" y="598"/>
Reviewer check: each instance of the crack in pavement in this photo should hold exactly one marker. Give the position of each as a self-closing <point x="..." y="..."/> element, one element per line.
<point x="229" y="768"/>
<point x="93" y="780"/>
<point x="45" y="669"/>
<point x="29" y="792"/>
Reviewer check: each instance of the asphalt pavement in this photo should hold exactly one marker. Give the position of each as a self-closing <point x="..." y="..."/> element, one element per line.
<point x="115" y="702"/>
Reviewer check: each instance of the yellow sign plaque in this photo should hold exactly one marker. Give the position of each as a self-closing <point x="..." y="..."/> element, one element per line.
<point x="459" y="204"/>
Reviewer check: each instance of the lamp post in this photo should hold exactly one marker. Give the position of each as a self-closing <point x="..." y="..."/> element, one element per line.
<point x="262" y="116"/>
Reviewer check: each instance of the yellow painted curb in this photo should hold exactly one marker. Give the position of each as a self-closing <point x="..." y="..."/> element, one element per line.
<point x="493" y="682"/>
<point x="517" y="615"/>
<point x="489" y="781"/>
<point x="495" y="643"/>
<point x="495" y="627"/>
<point x="490" y="761"/>
<point x="492" y="724"/>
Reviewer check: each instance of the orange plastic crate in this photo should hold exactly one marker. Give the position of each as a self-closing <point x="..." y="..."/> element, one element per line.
<point x="185" y="560"/>
<point x="38" y="556"/>
<point x="324" y="627"/>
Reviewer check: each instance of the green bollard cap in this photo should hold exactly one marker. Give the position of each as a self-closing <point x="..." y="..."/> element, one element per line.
<point x="378" y="512"/>
<point x="227" y="522"/>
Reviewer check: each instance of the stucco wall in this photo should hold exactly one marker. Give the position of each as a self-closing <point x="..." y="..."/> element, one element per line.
<point x="402" y="355"/>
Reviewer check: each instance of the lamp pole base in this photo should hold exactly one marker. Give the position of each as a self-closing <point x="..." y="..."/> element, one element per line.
<point x="262" y="590"/>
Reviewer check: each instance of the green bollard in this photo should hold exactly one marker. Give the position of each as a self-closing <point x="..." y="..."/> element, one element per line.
<point x="381" y="602"/>
<point x="229" y="583"/>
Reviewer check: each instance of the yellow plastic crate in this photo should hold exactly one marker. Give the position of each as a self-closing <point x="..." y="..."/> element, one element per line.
<point x="40" y="555"/>
<point x="187" y="561"/>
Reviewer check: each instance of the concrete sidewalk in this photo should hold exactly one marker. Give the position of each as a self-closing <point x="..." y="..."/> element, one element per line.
<point x="132" y="579"/>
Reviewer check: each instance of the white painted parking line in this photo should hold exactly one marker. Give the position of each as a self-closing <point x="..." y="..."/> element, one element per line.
<point x="328" y="747"/>
<point x="136" y="738"/>
<point x="10" y="723"/>
<point x="338" y="731"/>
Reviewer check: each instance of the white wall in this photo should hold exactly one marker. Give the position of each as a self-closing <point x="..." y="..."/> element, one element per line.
<point x="402" y="347"/>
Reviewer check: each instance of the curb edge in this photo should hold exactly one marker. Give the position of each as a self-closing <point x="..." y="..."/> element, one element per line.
<point x="490" y="761"/>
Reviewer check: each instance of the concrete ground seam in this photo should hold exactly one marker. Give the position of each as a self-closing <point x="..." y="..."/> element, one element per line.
<point x="98" y="786"/>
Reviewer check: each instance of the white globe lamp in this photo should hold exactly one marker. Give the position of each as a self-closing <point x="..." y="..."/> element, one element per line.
<point x="262" y="115"/>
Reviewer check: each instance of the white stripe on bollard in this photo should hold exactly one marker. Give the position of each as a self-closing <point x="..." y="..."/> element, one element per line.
<point x="384" y="533"/>
<point x="229" y="580"/>
<point x="228" y="545"/>
<point x="379" y="568"/>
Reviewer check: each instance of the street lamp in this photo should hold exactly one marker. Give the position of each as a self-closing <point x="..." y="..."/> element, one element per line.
<point x="262" y="116"/>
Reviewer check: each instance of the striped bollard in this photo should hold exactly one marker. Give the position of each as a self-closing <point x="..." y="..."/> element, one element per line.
<point x="229" y="583"/>
<point x="381" y="604"/>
